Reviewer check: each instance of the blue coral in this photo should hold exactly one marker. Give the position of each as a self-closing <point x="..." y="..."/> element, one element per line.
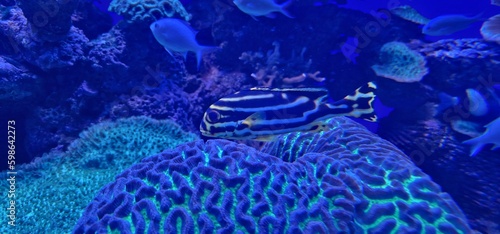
<point x="144" y="10"/>
<point x="400" y="63"/>
<point x="342" y="180"/>
<point x="67" y="181"/>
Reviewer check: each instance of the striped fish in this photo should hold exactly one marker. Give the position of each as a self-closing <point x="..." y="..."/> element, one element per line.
<point x="263" y="113"/>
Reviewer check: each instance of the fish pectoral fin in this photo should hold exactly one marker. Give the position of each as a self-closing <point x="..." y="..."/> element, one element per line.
<point x="169" y="51"/>
<point x="265" y="138"/>
<point x="319" y="127"/>
<point x="250" y="120"/>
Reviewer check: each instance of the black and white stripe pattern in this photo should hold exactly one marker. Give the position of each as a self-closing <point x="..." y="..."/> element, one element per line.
<point x="261" y="113"/>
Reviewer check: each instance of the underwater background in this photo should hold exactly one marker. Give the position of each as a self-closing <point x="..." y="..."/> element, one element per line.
<point x="112" y="115"/>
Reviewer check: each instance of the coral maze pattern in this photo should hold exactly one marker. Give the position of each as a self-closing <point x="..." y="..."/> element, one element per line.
<point x="345" y="179"/>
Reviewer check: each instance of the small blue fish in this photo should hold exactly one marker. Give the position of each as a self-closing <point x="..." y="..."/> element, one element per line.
<point x="491" y="29"/>
<point x="177" y="36"/>
<point x="262" y="7"/>
<point x="445" y="101"/>
<point x="490" y="136"/>
<point x="448" y="24"/>
<point x="477" y="103"/>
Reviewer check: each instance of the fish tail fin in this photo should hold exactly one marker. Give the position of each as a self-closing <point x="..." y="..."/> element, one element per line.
<point x="358" y="104"/>
<point x="479" y="17"/>
<point x="283" y="7"/>
<point x="476" y="145"/>
<point x="202" y="51"/>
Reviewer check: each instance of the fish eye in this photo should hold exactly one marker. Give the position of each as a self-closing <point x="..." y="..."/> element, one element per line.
<point x="156" y="25"/>
<point x="213" y="116"/>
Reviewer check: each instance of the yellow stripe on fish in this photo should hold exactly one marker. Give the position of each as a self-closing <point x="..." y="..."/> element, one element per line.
<point x="263" y="113"/>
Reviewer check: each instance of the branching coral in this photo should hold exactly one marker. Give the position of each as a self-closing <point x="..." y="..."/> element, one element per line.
<point x="270" y="68"/>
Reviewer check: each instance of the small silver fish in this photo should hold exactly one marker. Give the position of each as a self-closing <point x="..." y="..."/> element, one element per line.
<point x="448" y="24"/>
<point x="262" y="7"/>
<point x="177" y="36"/>
<point x="264" y="113"/>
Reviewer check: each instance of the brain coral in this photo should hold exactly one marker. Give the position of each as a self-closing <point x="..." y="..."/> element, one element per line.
<point x="148" y="10"/>
<point x="400" y="63"/>
<point x="343" y="180"/>
<point x="439" y="152"/>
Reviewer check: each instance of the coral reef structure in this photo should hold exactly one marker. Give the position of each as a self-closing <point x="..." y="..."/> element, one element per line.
<point x="49" y="20"/>
<point x="124" y="141"/>
<point x="67" y="181"/>
<point x="409" y="13"/>
<point x="148" y="10"/>
<point x="400" y="63"/>
<point x="458" y="64"/>
<point x="18" y="85"/>
<point x="67" y="49"/>
<point x="438" y="151"/>
<point x="342" y="180"/>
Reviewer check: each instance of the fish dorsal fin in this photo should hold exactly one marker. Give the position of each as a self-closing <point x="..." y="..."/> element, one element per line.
<point x="185" y="23"/>
<point x="250" y="120"/>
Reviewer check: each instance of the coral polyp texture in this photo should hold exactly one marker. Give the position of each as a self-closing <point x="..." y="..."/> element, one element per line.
<point x="148" y="10"/>
<point x="409" y="13"/>
<point x="342" y="180"/>
<point x="400" y="63"/>
<point x="67" y="181"/>
<point x="125" y="141"/>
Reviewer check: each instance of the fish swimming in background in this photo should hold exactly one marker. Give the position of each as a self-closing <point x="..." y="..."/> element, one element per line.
<point x="490" y="136"/>
<point x="491" y="29"/>
<point x="176" y="35"/>
<point x="262" y="7"/>
<point x="263" y="113"/>
<point x="477" y="103"/>
<point x="448" y="24"/>
<point x="445" y="101"/>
